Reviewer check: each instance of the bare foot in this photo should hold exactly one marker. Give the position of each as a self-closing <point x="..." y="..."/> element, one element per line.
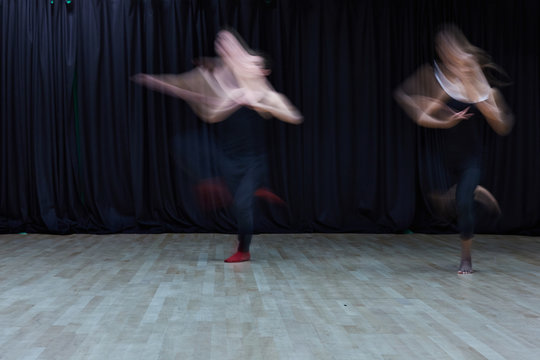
<point x="466" y="263"/>
<point x="465" y="267"/>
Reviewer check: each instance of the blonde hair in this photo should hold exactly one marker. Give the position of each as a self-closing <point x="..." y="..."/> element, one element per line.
<point x="451" y="33"/>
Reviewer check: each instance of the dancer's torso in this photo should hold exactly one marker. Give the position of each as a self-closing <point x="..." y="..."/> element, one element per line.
<point x="461" y="145"/>
<point x="241" y="134"/>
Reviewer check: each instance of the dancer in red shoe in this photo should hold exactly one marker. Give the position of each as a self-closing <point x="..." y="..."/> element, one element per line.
<point x="233" y="92"/>
<point x="452" y="95"/>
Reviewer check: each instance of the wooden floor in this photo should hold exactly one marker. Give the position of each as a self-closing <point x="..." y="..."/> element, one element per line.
<point x="305" y="296"/>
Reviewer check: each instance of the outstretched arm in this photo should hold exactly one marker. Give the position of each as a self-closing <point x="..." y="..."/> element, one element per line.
<point x="167" y="85"/>
<point x="197" y="88"/>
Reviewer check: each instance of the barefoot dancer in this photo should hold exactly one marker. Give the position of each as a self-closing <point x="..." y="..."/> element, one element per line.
<point x="451" y="95"/>
<point x="233" y="91"/>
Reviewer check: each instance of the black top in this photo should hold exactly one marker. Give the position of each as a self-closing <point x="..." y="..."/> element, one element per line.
<point x="462" y="144"/>
<point x="241" y="134"/>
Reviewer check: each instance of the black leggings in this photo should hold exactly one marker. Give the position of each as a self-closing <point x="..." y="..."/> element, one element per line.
<point x="242" y="175"/>
<point x="467" y="182"/>
<point x="241" y="172"/>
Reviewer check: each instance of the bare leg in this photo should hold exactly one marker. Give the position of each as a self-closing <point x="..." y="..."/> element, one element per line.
<point x="465" y="267"/>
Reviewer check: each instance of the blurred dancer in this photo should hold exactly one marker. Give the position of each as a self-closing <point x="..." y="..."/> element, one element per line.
<point x="233" y="91"/>
<point x="451" y="95"/>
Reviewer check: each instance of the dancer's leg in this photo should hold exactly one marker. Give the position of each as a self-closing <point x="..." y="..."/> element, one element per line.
<point x="466" y="186"/>
<point x="243" y="211"/>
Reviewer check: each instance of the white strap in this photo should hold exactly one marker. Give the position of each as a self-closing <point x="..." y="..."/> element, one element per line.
<point x="453" y="90"/>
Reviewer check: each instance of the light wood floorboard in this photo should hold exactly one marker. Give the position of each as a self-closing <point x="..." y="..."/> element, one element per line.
<point x="303" y="296"/>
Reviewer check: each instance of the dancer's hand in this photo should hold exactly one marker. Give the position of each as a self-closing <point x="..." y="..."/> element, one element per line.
<point x="247" y="97"/>
<point x="461" y="115"/>
<point x="279" y="106"/>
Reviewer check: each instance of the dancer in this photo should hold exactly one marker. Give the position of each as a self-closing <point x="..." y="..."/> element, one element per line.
<point x="451" y="95"/>
<point x="232" y="91"/>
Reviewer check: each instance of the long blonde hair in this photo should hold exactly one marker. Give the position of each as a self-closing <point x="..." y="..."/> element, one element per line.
<point x="450" y="32"/>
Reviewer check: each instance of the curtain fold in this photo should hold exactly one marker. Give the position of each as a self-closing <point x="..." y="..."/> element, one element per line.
<point x="84" y="149"/>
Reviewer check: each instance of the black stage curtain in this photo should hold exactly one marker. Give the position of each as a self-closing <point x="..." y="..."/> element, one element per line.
<point x="83" y="149"/>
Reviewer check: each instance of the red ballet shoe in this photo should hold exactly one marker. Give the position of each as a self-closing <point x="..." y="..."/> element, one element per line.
<point x="269" y="196"/>
<point x="238" y="256"/>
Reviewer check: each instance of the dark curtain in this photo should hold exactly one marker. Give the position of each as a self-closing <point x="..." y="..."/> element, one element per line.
<point x="83" y="149"/>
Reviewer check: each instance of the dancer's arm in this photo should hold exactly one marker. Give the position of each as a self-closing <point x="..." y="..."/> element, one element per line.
<point x="429" y="110"/>
<point x="422" y="110"/>
<point x="218" y="113"/>
<point x="209" y="108"/>
<point x="156" y="83"/>
<point x="496" y="113"/>
<point x="280" y="107"/>
<point x="261" y="96"/>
